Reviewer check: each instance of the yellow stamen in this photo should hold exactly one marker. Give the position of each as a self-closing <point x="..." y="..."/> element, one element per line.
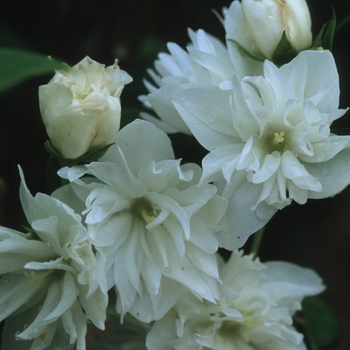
<point x="36" y="278"/>
<point x="43" y="335"/>
<point x="143" y="209"/>
<point x="147" y="215"/>
<point x="230" y="326"/>
<point x="279" y="137"/>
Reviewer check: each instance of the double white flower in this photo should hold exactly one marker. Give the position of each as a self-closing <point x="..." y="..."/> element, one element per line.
<point x="254" y="312"/>
<point x="206" y="62"/>
<point x="269" y="139"/>
<point x="150" y="219"/>
<point x="51" y="282"/>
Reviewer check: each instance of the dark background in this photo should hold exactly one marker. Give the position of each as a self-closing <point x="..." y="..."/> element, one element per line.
<point x="316" y="235"/>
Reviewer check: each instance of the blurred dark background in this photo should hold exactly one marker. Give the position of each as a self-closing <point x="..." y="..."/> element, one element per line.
<point x="316" y="235"/>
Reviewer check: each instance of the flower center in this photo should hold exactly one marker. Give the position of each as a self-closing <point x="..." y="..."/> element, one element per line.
<point x="143" y="209"/>
<point x="81" y="95"/>
<point x="228" y="327"/>
<point x="276" y="142"/>
<point x="37" y="277"/>
<point x="279" y="137"/>
<point x="43" y="335"/>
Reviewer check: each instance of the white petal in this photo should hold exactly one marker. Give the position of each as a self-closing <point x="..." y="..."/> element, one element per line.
<point x="94" y="306"/>
<point x="241" y="219"/>
<point x="296" y="172"/>
<point x="268" y="168"/>
<point x="161" y="102"/>
<point x="333" y="174"/>
<point x="145" y="149"/>
<point x="68" y="297"/>
<point x="293" y="281"/>
<point x="326" y="149"/>
<point x="204" y="110"/>
<point x="321" y="70"/>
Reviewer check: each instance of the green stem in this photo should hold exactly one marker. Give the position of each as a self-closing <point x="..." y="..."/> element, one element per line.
<point x="256" y="242"/>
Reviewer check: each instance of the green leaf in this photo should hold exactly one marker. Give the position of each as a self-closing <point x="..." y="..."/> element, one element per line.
<point x="318" y="40"/>
<point x="321" y="326"/>
<point x="324" y="38"/>
<point x="17" y="65"/>
<point x="284" y="52"/>
<point x="327" y="39"/>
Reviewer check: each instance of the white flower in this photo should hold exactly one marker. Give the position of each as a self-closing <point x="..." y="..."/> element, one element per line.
<point x="151" y="220"/>
<point x="269" y="139"/>
<point x="206" y="62"/>
<point x="80" y="106"/>
<point x="51" y="280"/>
<point x="254" y="313"/>
<point x="257" y="25"/>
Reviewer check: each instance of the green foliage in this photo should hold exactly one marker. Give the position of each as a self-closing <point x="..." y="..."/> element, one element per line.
<point x="324" y="39"/>
<point x="17" y="65"/>
<point x="321" y="326"/>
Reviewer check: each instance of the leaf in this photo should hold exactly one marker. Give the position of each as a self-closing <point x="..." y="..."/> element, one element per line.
<point x="327" y="39"/>
<point x="321" y="326"/>
<point x="17" y="65"/>
<point x="318" y="40"/>
<point x="324" y="38"/>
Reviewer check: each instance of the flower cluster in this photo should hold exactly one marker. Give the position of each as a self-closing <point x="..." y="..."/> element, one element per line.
<point x="139" y="223"/>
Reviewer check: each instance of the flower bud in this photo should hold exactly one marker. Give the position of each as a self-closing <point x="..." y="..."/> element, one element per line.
<point x="80" y="106"/>
<point x="266" y="20"/>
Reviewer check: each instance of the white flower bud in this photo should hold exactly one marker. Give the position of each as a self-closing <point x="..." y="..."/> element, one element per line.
<point x="266" y="20"/>
<point x="80" y="106"/>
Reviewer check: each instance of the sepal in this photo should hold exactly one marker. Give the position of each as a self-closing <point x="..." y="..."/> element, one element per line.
<point x="87" y="158"/>
<point x="284" y="52"/>
<point x="324" y="39"/>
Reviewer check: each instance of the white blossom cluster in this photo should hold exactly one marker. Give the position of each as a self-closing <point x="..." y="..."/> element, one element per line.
<point x="141" y="223"/>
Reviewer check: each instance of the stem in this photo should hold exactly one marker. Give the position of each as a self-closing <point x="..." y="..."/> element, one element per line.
<point x="256" y="242"/>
